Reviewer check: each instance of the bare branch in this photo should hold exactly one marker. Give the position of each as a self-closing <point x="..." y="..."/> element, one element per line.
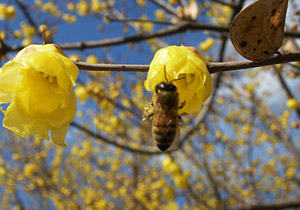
<point x="173" y="29"/>
<point x="236" y="65"/>
<point x="114" y="143"/>
<point x="166" y="6"/>
<point x="126" y="20"/>
<point x="273" y="206"/>
<point x="212" y="67"/>
<point x="24" y="9"/>
<point x="286" y="89"/>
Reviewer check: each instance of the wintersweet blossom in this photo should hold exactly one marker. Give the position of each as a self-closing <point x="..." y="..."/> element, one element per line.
<point x="181" y="62"/>
<point x="38" y="85"/>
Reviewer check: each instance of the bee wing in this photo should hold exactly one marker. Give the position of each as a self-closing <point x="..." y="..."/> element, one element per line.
<point x="146" y="125"/>
<point x="176" y="141"/>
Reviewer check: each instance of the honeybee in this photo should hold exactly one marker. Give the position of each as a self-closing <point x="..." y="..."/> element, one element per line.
<point x="165" y="118"/>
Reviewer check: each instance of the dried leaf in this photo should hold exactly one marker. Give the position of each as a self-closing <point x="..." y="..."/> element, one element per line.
<point x="257" y="31"/>
<point x="191" y="11"/>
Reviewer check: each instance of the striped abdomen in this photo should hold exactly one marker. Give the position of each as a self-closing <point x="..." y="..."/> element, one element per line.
<point x="164" y="130"/>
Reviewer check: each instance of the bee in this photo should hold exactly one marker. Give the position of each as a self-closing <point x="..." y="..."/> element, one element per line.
<point x="165" y="118"/>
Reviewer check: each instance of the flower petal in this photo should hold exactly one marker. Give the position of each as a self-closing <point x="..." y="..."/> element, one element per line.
<point x="18" y="121"/>
<point x="58" y="135"/>
<point x="35" y="93"/>
<point x="64" y="115"/>
<point x="10" y="76"/>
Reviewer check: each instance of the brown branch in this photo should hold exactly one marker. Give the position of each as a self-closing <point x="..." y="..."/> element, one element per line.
<point x="173" y="29"/>
<point x="212" y="67"/>
<point x="24" y="9"/>
<point x="114" y="143"/>
<point x="273" y="206"/>
<point x="236" y="65"/>
<point x="166" y="6"/>
<point x="286" y="89"/>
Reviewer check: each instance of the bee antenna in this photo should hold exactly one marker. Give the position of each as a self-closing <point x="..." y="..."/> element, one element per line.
<point x="165" y="74"/>
<point x="177" y="79"/>
<point x="172" y="79"/>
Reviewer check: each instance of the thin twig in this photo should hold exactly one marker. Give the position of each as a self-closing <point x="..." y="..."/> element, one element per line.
<point x="166" y="6"/>
<point x="273" y="206"/>
<point x="211" y="66"/>
<point x="112" y="142"/>
<point x="286" y="89"/>
<point x="173" y="29"/>
<point x="126" y="20"/>
<point x="24" y="9"/>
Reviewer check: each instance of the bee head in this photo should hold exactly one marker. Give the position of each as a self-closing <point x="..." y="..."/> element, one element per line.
<point x="164" y="86"/>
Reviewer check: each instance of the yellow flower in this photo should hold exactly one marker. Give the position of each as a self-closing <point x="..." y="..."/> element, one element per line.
<point x="69" y="18"/>
<point x="206" y="45"/>
<point x="10" y="12"/>
<point x="92" y="59"/>
<point x="159" y="14"/>
<point x="3" y="13"/>
<point x="182" y="62"/>
<point x="29" y="169"/>
<point x="38" y="84"/>
<point x="292" y="103"/>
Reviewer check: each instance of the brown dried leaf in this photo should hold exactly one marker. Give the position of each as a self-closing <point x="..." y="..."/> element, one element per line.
<point x="191" y="11"/>
<point x="257" y="31"/>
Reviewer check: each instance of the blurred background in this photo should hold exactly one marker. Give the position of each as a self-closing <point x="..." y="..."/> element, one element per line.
<point x="241" y="151"/>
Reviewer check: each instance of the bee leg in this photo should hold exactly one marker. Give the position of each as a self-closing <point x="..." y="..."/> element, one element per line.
<point x="182" y="105"/>
<point x="146" y="116"/>
<point x="151" y="103"/>
<point x="179" y="118"/>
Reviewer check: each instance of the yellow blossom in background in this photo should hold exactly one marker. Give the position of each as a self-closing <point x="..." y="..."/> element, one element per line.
<point x="290" y="173"/>
<point x="38" y="3"/>
<point x="17" y="34"/>
<point x="292" y="103"/>
<point x="2" y="11"/>
<point x="74" y="57"/>
<point x="169" y="193"/>
<point x="81" y="93"/>
<point x="71" y="6"/>
<point x="159" y="14"/>
<point x="2" y="35"/>
<point x="250" y="87"/>
<point x="51" y="8"/>
<point x="43" y="27"/>
<point x="96" y="6"/>
<point x="180" y="181"/>
<point x="172" y="1"/>
<point x="142" y="3"/>
<point x="182" y="62"/>
<point x="82" y="8"/>
<point x="38" y="84"/>
<point x="206" y="45"/>
<point x="247" y="128"/>
<point x="26" y="42"/>
<point x="7" y="11"/>
<point x="147" y="26"/>
<point x="11" y="12"/>
<point x="166" y="163"/>
<point x="29" y="169"/>
<point x="92" y="59"/>
<point x="2" y="171"/>
<point x="27" y="30"/>
<point x="69" y="18"/>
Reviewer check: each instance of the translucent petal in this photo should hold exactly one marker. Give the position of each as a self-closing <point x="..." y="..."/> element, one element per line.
<point x="64" y="115"/>
<point x="10" y="76"/>
<point x="21" y="123"/>
<point x="58" y="135"/>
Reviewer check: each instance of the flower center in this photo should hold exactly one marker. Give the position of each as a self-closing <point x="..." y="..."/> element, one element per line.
<point x="48" y="77"/>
